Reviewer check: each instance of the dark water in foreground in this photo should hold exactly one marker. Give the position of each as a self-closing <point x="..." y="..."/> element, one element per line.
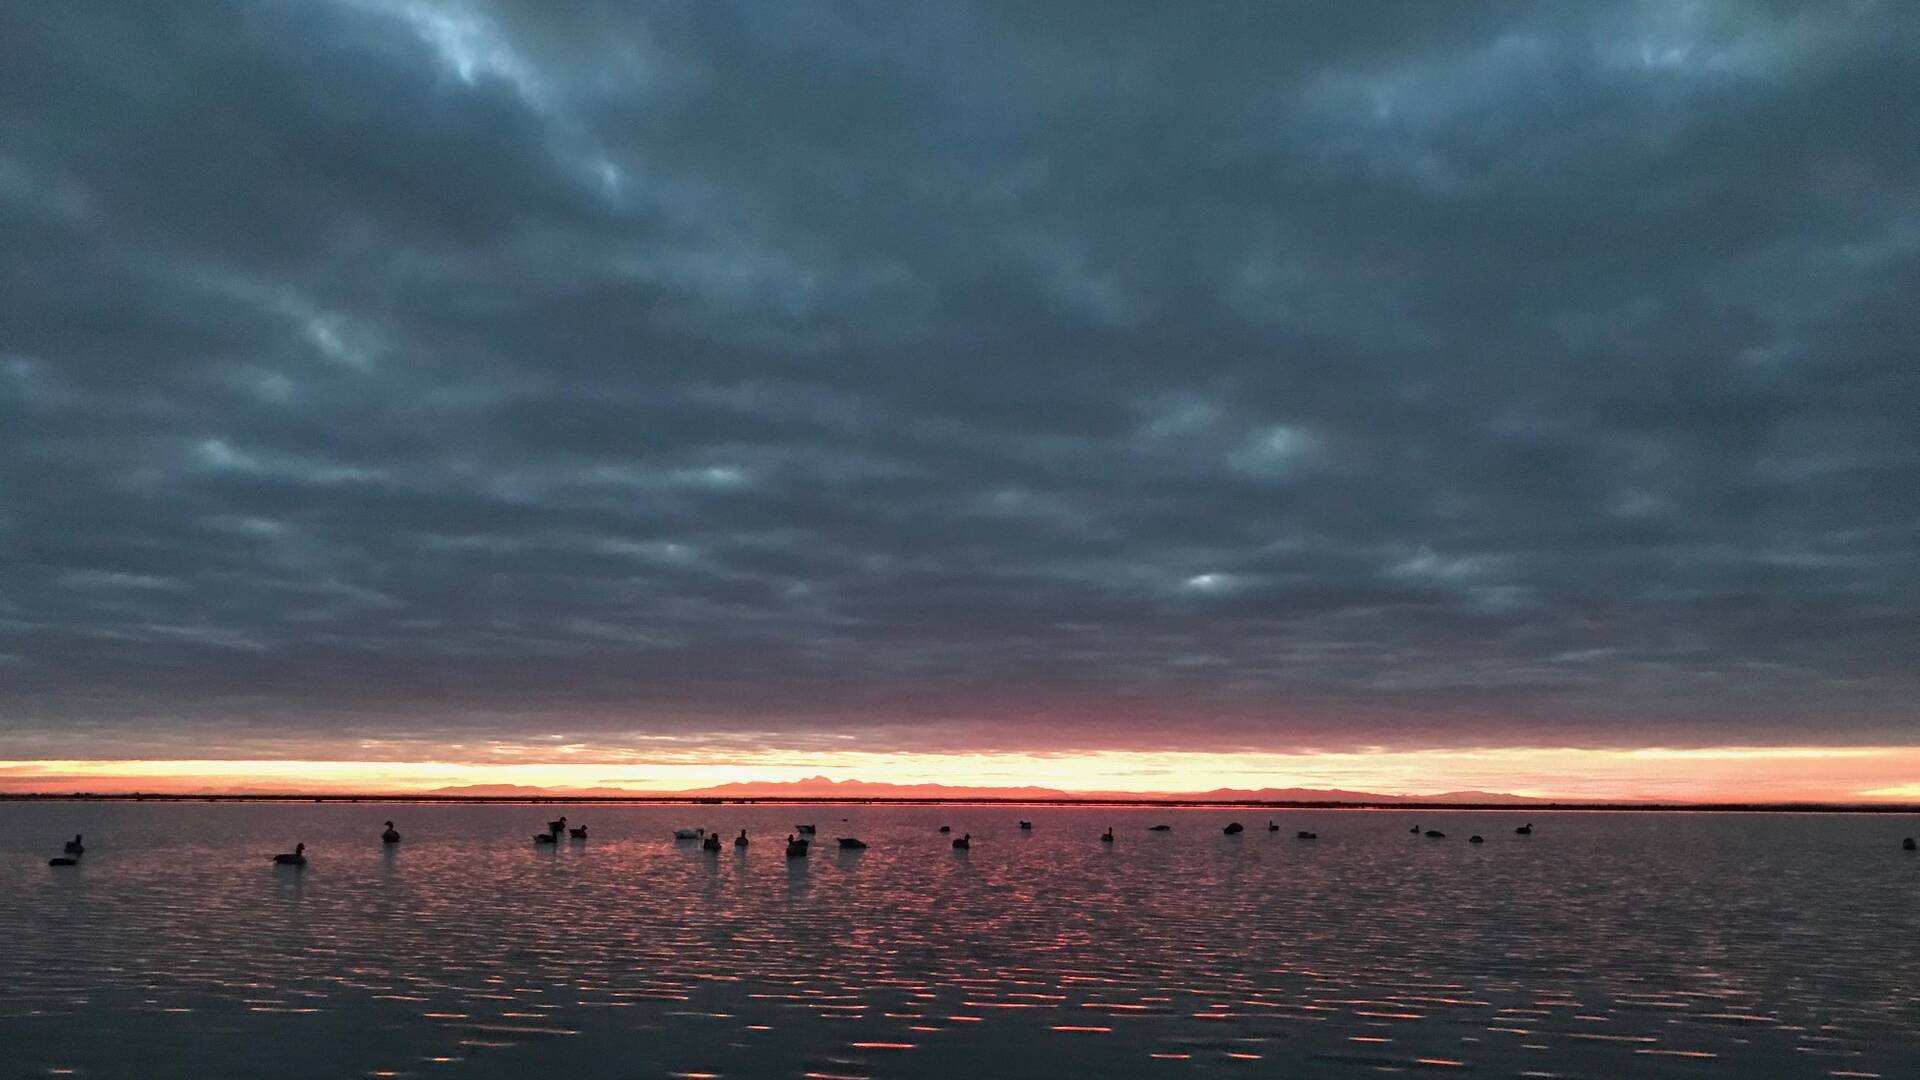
<point x="1605" y="945"/>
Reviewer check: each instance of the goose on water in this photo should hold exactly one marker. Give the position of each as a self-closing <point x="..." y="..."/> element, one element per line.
<point x="1908" y="844"/>
<point x="963" y="843"/>
<point x="1525" y="830"/>
<point x="545" y="838"/>
<point x="1272" y="825"/>
<point x="1435" y="834"/>
<point x="1476" y="839"/>
<point x="741" y="840"/>
<point x="74" y="847"/>
<point x="577" y="832"/>
<point x="1026" y="826"/>
<point x="1107" y="837"/>
<point x="63" y="860"/>
<point x="1159" y="828"/>
<point x="946" y="828"/>
<point x="689" y="834"/>
<point x="1415" y="830"/>
<point x="796" y="847"/>
<point x="391" y="835"/>
<point x="712" y="842"/>
<point x="296" y="857"/>
<point x="1234" y="829"/>
<point x="1305" y="835"/>
<point x="555" y="827"/>
<point x="852" y="843"/>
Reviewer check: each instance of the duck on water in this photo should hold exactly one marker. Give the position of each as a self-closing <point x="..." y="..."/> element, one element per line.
<point x="296" y="857"/>
<point x="711" y="843"/>
<point x="963" y="843"/>
<point x="796" y="847"/>
<point x="1234" y="829"/>
<point x="391" y="835"/>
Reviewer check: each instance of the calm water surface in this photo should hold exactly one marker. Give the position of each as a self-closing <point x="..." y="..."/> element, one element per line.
<point x="1604" y="945"/>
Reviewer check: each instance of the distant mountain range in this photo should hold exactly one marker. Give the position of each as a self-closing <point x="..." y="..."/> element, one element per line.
<point x="821" y="787"/>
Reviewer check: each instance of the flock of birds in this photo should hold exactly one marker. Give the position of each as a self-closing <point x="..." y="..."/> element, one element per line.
<point x="799" y="841"/>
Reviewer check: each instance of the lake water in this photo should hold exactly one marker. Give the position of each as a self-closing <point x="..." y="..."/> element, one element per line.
<point x="1604" y="945"/>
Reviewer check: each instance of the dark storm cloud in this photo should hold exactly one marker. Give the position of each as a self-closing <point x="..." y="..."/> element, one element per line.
<point x="992" y="376"/>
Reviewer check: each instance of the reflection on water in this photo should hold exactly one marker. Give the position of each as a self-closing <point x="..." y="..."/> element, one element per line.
<point x="1601" y="945"/>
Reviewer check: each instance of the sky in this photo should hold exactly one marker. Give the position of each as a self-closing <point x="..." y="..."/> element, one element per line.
<point x="1416" y="396"/>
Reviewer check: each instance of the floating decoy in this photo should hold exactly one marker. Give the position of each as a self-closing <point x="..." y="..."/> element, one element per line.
<point x="1026" y="826"/>
<point x="1234" y="829"/>
<point x="850" y="843"/>
<point x="1525" y="830"/>
<point x="946" y="828"/>
<point x="63" y="860"/>
<point x="577" y="832"/>
<point x="1159" y="828"/>
<point x="964" y="842"/>
<point x="1475" y="840"/>
<point x="1305" y="835"/>
<point x="1908" y="844"/>
<point x="741" y="840"/>
<point x="1436" y="834"/>
<point x="296" y="857"/>
<point x="806" y="830"/>
<point x="1272" y="825"/>
<point x="796" y="848"/>
<point x="689" y="834"/>
<point x="712" y="842"/>
<point x="545" y="838"/>
<point x="1108" y="835"/>
<point x="74" y="847"/>
<point x="391" y="836"/>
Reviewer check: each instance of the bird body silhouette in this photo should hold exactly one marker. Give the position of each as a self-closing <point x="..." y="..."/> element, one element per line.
<point x="391" y="835"/>
<point x="963" y="843"/>
<point x="74" y="847"/>
<point x="796" y="848"/>
<point x="741" y="840"/>
<point x="1107" y="837"/>
<point x="296" y="857"/>
<point x="852" y="843"/>
<point x="577" y="832"/>
<point x="1234" y="829"/>
<point x="1525" y="830"/>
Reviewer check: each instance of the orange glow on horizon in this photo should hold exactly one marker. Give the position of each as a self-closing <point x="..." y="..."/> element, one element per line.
<point x="1714" y="774"/>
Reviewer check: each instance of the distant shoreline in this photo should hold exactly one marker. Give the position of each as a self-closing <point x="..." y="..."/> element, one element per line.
<point x="827" y="800"/>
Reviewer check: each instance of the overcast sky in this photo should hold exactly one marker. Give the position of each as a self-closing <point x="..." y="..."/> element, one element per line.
<point x="943" y="376"/>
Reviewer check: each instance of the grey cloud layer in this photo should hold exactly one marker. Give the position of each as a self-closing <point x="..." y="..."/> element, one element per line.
<point x="1410" y="376"/>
